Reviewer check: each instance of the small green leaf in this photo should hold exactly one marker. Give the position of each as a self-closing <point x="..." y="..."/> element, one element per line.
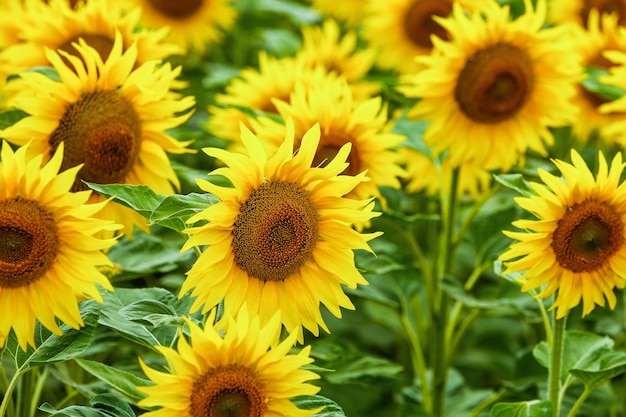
<point x="54" y="348"/>
<point x="10" y="117"/>
<point x="312" y="402"/>
<point x="73" y="411"/>
<point x="523" y="409"/>
<point x="112" y="405"/>
<point x="594" y="85"/>
<point x="610" y="365"/>
<point x="171" y="211"/>
<point x="297" y="13"/>
<point x="123" y="381"/>
<point x="517" y="183"/>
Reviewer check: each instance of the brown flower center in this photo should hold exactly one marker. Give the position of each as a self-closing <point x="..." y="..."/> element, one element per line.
<point x="587" y="236"/>
<point x="227" y="391"/>
<point x="419" y="24"/>
<point x="28" y="242"/>
<point x="102" y="44"/>
<point x="604" y="6"/>
<point x="495" y="83"/>
<point x="275" y="232"/>
<point x="179" y="9"/>
<point x="329" y="146"/>
<point x="103" y="131"/>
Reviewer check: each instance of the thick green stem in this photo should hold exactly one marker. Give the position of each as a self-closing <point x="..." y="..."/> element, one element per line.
<point x="556" y="361"/>
<point x="439" y="352"/>
<point x="419" y="365"/>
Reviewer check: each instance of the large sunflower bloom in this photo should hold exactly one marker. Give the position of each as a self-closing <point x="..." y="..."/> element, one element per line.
<point x="49" y="253"/>
<point x="576" y="246"/>
<point x="281" y="238"/>
<point x="342" y="119"/>
<point x="242" y="372"/>
<point x="602" y="34"/>
<point x="57" y="25"/>
<point x="111" y="117"/>
<point x="194" y="24"/>
<point x="492" y="90"/>
<point x="579" y="11"/>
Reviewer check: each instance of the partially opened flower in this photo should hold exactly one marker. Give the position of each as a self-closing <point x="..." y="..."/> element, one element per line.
<point x="491" y="91"/>
<point x="110" y="115"/>
<point x="576" y="246"/>
<point x="242" y="372"/>
<point x="281" y="238"/>
<point x="193" y="24"/>
<point x="49" y="252"/>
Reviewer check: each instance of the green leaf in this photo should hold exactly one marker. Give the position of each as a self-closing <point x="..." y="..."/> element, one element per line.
<point x="312" y="402"/>
<point x="523" y="409"/>
<point x="582" y="350"/>
<point x="54" y="348"/>
<point x="517" y="183"/>
<point x="123" y="381"/>
<point x="414" y="132"/>
<point x="610" y="365"/>
<point x="170" y="211"/>
<point x="112" y="405"/>
<point x="10" y="117"/>
<point x="299" y="14"/>
<point x="73" y="411"/>
<point x="594" y="84"/>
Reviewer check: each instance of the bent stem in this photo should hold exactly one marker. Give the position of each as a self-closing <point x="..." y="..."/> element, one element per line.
<point x="556" y="362"/>
<point x="8" y="394"/>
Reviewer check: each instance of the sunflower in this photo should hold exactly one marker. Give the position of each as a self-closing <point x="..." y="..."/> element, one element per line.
<point x="111" y="117"/>
<point x="577" y="245"/>
<point x="492" y="90"/>
<point x="281" y="238"/>
<point x="57" y="25"/>
<point x="193" y="24"/>
<point x="579" y="11"/>
<point x="242" y="372"/>
<point x="348" y="11"/>
<point x="255" y="88"/>
<point x="602" y="34"/>
<point x="424" y="174"/>
<point x="342" y="119"/>
<point x="402" y="29"/>
<point x="615" y="110"/>
<point x="49" y="254"/>
<point x="325" y="45"/>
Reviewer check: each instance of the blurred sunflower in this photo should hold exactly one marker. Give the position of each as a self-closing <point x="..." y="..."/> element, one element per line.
<point x="254" y="90"/>
<point x="57" y="25"/>
<point x="342" y="119"/>
<point x="193" y="24"/>
<point x="579" y="11"/>
<point x="111" y="117"/>
<point x="577" y="245"/>
<point x="281" y="239"/>
<point x="494" y="79"/>
<point x="348" y="11"/>
<point x="615" y="110"/>
<point x="11" y="20"/>
<point x="602" y="34"/>
<point x="326" y="45"/>
<point x="423" y="174"/>
<point x="49" y="252"/>
<point x="400" y="30"/>
<point x="242" y="372"/>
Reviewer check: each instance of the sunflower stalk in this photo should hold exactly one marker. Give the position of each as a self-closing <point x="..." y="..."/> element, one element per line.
<point x="556" y="362"/>
<point x="440" y="343"/>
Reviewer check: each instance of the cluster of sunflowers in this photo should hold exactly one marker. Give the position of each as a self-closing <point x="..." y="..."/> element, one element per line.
<point x="365" y="148"/>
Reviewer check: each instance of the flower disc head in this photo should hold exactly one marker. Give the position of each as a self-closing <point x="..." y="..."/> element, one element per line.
<point x="576" y="247"/>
